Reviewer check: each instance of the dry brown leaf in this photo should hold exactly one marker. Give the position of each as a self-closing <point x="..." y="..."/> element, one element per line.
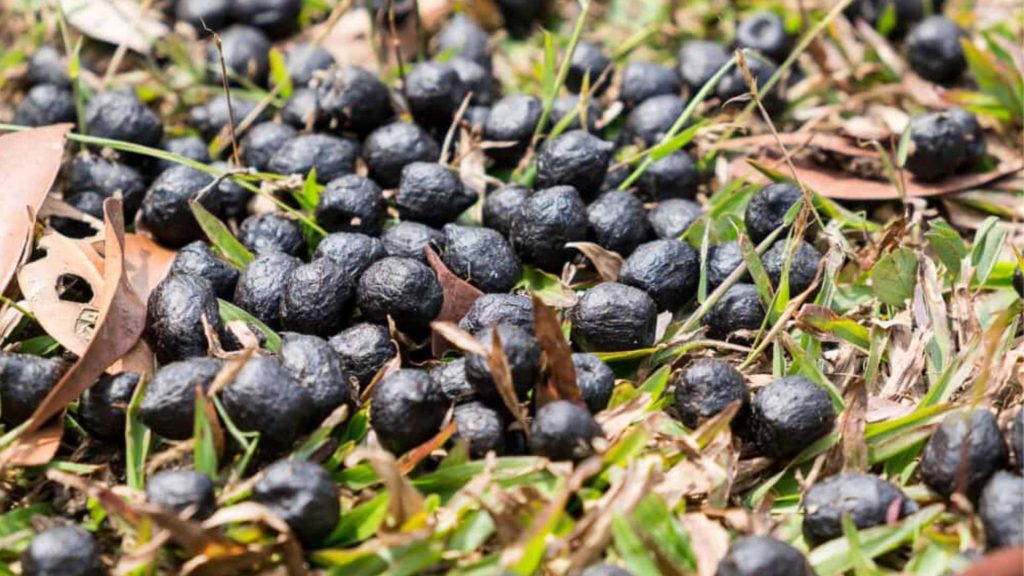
<point x="117" y="22"/>
<point x="615" y="421"/>
<point x="561" y="380"/>
<point x="411" y="459"/>
<point x="607" y="263"/>
<point x="70" y="323"/>
<point x="210" y="413"/>
<point x="460" y="338"/>
<point x="717" y="424"/>
<point x="927" y="94"/>
<point x="37" y="448"/>
<point x="29" y="162"/>
<point x="118" y="327"/>
<point x="709" y="541"/>
<point x="146" y="262"/>
<point x="459" y="295"/>
<point x="203" y="565"/>
<point x="841" y="186"/>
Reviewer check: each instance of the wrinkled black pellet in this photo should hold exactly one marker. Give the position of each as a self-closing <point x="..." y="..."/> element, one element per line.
<point x="612" y="317"/>
<point x="175" y="317"/>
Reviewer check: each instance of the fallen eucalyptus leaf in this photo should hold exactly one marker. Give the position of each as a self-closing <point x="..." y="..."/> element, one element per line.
<point x="29" y="162"/>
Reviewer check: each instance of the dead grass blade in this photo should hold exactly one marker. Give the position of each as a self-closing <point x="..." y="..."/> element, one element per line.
<point x="411" y="459"/>
<point x="502" y="376"/>
<point x="708" y="539"/>
<point x="406" y="502"/>
<point x="851" y="452"/>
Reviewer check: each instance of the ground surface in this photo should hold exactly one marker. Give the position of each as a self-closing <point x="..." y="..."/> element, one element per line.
<point x="914" y="315"/>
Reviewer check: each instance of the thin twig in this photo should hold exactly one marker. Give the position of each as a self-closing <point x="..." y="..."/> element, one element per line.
<point x="227" y="94"/>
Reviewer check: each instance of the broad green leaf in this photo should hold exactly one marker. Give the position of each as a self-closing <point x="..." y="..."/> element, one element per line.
<point x="988" y="244"/>
<point x="994" y="78"/>
<point x="894" y="277"/>
<point x="545" y="285"/>
<point x="43" y="345"/>
<point x="947" y="245"/>
<point x="223" y="241"/>
<point x="887" y="21"/>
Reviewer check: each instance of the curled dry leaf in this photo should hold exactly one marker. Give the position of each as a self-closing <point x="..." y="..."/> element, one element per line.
<point x="557" y="355"/>
<point x="607" y="263"/>
<point x="841" y="186"/>
<point x="459" y="295"/>
<point x="42" y="281"/>
<point x="120" y="321"/>
<point x="29" y="162"/>
<point x="502" y="376"/>
<point x="117" y="22"/>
